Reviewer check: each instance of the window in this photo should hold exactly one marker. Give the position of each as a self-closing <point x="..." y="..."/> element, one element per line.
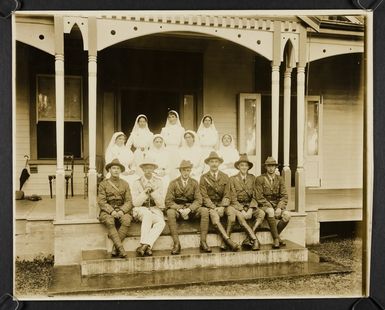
<point x="46" y="116"/>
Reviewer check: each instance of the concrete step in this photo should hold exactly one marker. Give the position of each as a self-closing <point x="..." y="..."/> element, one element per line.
<point x="98" y="262"/>
<point x="190" y="240"/>
<point x="67" y="280"/>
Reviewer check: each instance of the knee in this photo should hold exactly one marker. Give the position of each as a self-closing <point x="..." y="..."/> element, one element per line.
<point x="126" y="220"/>
<point x="286" y="216"/>
<point x="270" y="212"/>
<point x="260" y="214"/>
<point x="278" y="212"/>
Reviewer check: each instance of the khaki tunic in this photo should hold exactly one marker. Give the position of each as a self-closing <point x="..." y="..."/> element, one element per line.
<point x="270" y="194"/>
<point x="110" y="199"/>
<point x="178" y="196"/>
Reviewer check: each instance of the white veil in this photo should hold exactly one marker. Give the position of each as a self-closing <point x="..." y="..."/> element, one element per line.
<point x="196" y="139"/>
<point x="202" y="127"/>
<point x="230" y="146"/>
<point x="178" y="124"/>
<point x="136" y="125"/>
<point x="113" y="140"/>
<point x="153" y="148"/>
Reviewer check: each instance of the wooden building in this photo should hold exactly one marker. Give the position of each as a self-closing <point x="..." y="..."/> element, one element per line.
<point x="287" y="86"/>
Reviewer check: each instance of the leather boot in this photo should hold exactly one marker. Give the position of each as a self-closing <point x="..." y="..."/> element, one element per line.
<point x="233" y="246"/>
<point x="114" y="252"/>
<point x="280" y="227"/>
<point x="121" y="252"/>
<point x="256" y="245"/>
<point x="141" y="250"/>
<point x="274" y="232"/>
<point x="176" y="248"/>
<point x="204" y="247"/>
<point x="148" y="251"/>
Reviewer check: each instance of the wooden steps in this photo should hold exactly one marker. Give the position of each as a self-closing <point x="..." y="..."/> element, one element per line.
<point x="98" y="262"/>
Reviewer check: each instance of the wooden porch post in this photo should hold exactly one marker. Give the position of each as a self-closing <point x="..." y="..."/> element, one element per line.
<point x="286" y="129"/>
<point x="92" y="95"/>
<point x="59" y="94"/>
<point x="300" y="173"/>
<point x="275" y="89"/>
<point x="300" y="185"/>
<point x="274" y="110"/>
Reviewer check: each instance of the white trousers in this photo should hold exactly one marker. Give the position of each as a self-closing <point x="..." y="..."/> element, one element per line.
<point x="152" y="224"/>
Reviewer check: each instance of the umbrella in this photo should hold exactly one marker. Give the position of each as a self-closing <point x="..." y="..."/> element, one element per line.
<point x="24" y="173"/>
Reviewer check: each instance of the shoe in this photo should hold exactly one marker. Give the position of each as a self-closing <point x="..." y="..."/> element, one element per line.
<point x="204" y="247"/>
<point x="121" y="253"/>
<point x="114" y="252"/>
<point x="148" y="251"/>
<point x="223" y="247"/>
<point x="247" y="242"/>
<point x="256" y="245"/>
<point x="141" y="251"/>
<point x="281" y="242"/>
<point x="276" y="244"/>
<point x="233" y="246"/>
<point x="176" y="249"/>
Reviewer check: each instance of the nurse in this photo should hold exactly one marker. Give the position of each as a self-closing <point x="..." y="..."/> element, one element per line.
<point x="161" y="157"/>
<point x="191" y="151"/>
<point x="229" y="154"/>
<point x="208" y="135"/>
<point x="118" y="150"/>
<point x="172" y="134"/>
<point x="141" y="139"/>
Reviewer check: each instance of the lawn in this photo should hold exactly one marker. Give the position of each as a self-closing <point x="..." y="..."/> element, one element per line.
<point x="32" y="278"/>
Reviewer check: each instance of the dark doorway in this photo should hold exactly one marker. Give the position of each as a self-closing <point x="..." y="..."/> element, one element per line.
<point x="154" y="104"/>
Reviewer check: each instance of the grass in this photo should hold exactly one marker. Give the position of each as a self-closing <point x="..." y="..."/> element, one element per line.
<point x="32" y="279"/>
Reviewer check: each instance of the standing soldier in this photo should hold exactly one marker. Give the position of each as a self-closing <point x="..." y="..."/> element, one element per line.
<point x="114" y="200"/>
<point x="215" y="190"/>
<point x="242" y="189"/>
<point x="148" y="204"/>
<point x="183" y="199"/>
<point x="271" y="195"/>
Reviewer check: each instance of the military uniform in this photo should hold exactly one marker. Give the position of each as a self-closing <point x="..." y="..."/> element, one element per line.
<point x="114" y="195"/>
<point x="271" y="195"/>
<point x="242" y="190"/>
<point x="216" y="197"/>
<point x="180" y="195"/>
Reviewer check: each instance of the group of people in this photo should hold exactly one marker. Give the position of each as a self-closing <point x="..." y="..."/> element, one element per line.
<point x="168" y="148"/>
<point x="182" y="176"/>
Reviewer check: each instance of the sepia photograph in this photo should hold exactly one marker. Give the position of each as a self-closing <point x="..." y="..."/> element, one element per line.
<point x="192" y="154"/>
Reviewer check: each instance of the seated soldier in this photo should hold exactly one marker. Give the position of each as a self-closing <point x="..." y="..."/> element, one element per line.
<point x="270" y="193"/>
<point x="114" y="200"/>
<point x="184" y="200"/>
<point x="215" y="190"/>
<point x="242" y="189"/>
<point x="147" y="193"/>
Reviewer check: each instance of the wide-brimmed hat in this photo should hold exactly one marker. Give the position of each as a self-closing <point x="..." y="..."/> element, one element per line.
<point x="115" y="162"/>
<point x="148" y="161"/>
<point x="185" y="164"/>
<point x="213" y="155"/>
<point x="243" y="159"/>
<point x="271" y="161"/>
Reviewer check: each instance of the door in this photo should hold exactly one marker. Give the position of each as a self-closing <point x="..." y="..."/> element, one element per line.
<point x="155" y="104"/>
<point x="249" y="129"/>
<point x="313" y="141"/>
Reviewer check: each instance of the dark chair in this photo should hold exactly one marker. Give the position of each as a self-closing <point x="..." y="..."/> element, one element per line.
<point x="68" y="175"/>
<point x="99" y="171"/>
